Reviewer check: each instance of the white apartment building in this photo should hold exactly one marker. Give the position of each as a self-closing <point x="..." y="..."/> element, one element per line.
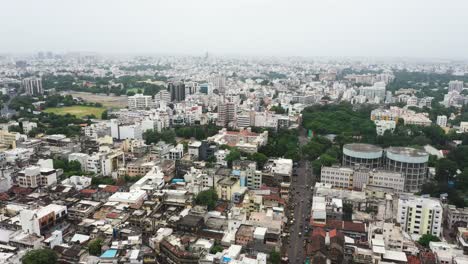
<point x="419" y="216"/>
<point x="105" y="162"/>
<point x="35" y="176"/>
<point x="82" y="158"/>
<point x="463" y="127"/>
<point x="97" y="130"/>
<point x="383" y="125"/>
<point x="140" y="101"/>
<point x="177" y="152"/>
<point x="34" y="220"/>
<point x="442" y="121"/>
<point x="220" y="156"/>
<point x="126" y="131"/>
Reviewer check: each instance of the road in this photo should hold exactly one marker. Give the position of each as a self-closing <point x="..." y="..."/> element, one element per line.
<point x="300" y="205"/>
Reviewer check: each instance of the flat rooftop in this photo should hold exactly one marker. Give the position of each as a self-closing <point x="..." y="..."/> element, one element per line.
<point x="361" y="147"/>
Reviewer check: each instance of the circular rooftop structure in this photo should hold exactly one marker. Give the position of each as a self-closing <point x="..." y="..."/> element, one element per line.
<point x="407" y="155"/>
<point x="361" y="154"/>
<point x="363" y="151"/>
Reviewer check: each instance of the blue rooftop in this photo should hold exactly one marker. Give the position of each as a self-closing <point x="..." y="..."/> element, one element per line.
<point x="110" y="253"/>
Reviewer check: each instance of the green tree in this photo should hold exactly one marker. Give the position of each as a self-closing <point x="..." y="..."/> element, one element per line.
<point x="347" y="212"/>
<point x="94" y="247"/>
<point x="105" y="115"/>
<point x="275" y="257"/>
<point x="233" y="155"/>
<point x="216" y="248"/>
<point x="425" y="239"/>
<point x="445" y="169"/>
<point x="208" y="198"/>
<point x="259" y="158"/>
<point x="40" y="256"/>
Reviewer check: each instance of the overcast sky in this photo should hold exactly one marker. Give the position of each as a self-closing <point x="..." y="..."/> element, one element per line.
<point x="416" y="28"/>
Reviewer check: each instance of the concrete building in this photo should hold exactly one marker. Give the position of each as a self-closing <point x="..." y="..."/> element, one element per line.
<point x="227" y="187"/>
<point x="125" y="131"/>
<point x="177" y="91"/>
<point x="226" y="113"/>
<point x="35" y="176"/>
<point x="456" y="216"/>
<point x="9" y="138"/>
<point x="455" y="86"/>
<point x="384" y="125"/>
<point x="33" y="86"/>
<point x="245" y="139"/>
<point x="357" y="178"/>
<point x="442" y="121"/>
<point x="410" y="162"/>
<point x="34" y="221"/>
<point x="339" y="177"/>
<point x="140" y="101"/>
<point x="366" y="155"/>
<point x="177" y="152"/>
<point x="419" y="216"/>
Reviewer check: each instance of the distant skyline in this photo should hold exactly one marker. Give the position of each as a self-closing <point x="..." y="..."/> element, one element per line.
<point x="367" y="28"/>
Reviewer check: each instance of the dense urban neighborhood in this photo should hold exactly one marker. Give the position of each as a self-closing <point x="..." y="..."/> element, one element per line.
<point x="215" y="159"/>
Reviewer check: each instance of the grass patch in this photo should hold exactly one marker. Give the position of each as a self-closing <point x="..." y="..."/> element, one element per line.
<point x="79" y="111"/>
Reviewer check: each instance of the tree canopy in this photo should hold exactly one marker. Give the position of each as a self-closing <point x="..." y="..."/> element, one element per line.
<point x="40" y="256"/>
<point x="208" y="198"/>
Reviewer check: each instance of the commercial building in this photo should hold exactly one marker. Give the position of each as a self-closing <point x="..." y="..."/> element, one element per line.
<point x="410" y="162"/>
<point x="140" y="101"/>
<point x="419" y="216"/>
<point x="177" y="91"/>
<point x="366" y="155"/>
<point x="357" y="178"/>
<point x="33" y="86"/>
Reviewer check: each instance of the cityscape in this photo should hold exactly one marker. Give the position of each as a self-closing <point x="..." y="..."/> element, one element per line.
<point x="230" y="155"/>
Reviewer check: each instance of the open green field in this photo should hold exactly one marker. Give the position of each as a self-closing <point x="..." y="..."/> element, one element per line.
<point x="77" y="110"/>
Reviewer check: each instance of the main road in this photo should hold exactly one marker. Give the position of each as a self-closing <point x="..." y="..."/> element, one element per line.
<point x="299" y="206"/>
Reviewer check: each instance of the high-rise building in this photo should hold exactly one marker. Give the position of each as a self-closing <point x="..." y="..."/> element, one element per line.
<point x="162" y="96"/>
<point x="177" y="91"/>
<point x="455" y="86"/>
<point x="33" y="86"/>
<point x="219" y="83"/>
<point x="442" y="120"/>
<point x="226" y="113"/>
<point x="419" y="216"/>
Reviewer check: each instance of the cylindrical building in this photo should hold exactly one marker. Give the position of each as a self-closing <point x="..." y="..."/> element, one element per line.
<point x="366" y="155"/>
<point x="410" y="162"/>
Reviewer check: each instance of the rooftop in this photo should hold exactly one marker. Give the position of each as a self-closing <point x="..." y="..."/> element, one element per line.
<point x="361" y="147"/>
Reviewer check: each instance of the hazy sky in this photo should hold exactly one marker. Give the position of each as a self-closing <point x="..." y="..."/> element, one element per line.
<point x="417" y="28"/>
